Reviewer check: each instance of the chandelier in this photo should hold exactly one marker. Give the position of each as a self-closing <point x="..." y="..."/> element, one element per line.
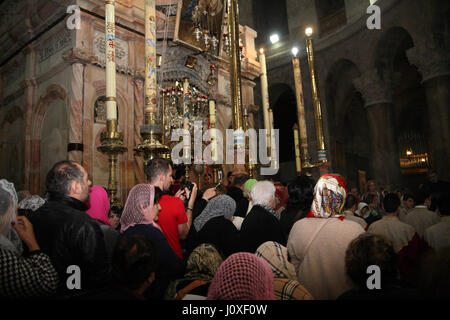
<point x="207" y="28"/>
<point x="206" y="25"/>
<point x="173" y="100"/>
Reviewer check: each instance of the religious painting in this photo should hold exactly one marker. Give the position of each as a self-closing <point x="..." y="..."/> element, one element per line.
<point x="199" y="24"/>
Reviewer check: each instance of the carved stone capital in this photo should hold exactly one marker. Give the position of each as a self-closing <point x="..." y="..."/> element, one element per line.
<point x="432" y="63"/>
<point x="76" y="55"/>
<point x="374" y="88"/>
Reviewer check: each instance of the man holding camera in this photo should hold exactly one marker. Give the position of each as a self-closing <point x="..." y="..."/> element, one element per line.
<point x="174" y="219"/>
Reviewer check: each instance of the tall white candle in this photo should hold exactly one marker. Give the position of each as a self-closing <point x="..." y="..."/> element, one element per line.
<point x="212" y="123"/>
<point x="150" y="58"/>
<point x="110" y="38"/>
<point x="297" y="150"/>
<point x="265" y="95"/>
<point x="186" y="145"/>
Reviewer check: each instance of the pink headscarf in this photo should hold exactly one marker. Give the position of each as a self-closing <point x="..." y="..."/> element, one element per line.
<point x="98" y="204"/>
<point x="139" y="207"/>
<point x="242" y="276"/>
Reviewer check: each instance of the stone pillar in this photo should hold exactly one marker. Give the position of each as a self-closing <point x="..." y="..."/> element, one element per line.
<point x="75" y="147"/>
<point x="30" y="98"/>
<point x="434" y="65"/>
<point x="378" y="103"/>
<point x="77" y="59"/>
<point x="138" y="84"/>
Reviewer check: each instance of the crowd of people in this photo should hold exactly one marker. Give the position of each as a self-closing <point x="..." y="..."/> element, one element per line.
<point x="249" y="239"/>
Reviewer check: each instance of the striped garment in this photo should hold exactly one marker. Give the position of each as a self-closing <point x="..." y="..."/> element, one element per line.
<point x="286" y="289"/>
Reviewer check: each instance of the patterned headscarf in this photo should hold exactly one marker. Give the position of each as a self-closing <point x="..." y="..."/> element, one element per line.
<point x="222" y="205"/>
<point x="330" y="193"/>
<point x="242" y="276"/>
<point x="202" y="264"/>
<point x="277" y="257"/>
<point x="139" y="207"/>
<point x="98" y="204"/>
<point x="32" y="203"/>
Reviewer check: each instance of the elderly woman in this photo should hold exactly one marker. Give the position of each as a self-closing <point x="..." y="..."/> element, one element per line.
<point x="201" y="267"/>
<point x="20" y="277"/>
<point x="262" y="222"/>
<point x="242" y="276"/>
<point x="139" y="217"/>
<point x="214" y="226"/>
<point x="317" y="243"/>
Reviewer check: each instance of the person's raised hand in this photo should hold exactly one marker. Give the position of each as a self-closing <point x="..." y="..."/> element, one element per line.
<point x="181" y="194"/>
<point x="24" y="228"/>
<point x="193" y="195"/>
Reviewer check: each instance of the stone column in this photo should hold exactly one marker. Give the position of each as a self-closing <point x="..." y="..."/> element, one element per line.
<point x="138" y="83"/>
<point x="377" y="94"/>
<point x="75" y="147"/>
<point x="30" y="95"/>
<point x="434" y="65"/>
<point x="78" y="59"/>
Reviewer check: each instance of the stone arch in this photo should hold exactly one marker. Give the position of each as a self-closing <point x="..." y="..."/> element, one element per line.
<point x="393" y="40"/>
<point x="53" y="93"/>
<point x="348" y="126"/>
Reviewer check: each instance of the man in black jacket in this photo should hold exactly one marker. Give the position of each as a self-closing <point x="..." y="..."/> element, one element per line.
<point x="72" y="239"/>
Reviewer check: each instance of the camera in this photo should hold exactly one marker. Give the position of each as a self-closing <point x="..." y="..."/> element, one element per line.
<point x="187" y="184"/>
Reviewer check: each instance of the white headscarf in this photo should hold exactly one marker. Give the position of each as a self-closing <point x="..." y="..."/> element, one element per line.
<point x="9" y="239"/>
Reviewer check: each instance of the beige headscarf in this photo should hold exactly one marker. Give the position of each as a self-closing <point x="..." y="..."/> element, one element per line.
<point x="139" y="207"/>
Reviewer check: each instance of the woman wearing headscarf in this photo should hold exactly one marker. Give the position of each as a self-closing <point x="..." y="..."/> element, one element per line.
<point x="242" y="276"/>
<point x="301" y="193"/>
<point x="98" y="207"/>
<point x="286" y="286"/>
<point x="140" y="216"/>
<point x="21" y="277"/>
<point x="30" y="204"/>
<point x="317" y="244"/>
<point x="214" y="225"/>
<point x="201" y="267"/>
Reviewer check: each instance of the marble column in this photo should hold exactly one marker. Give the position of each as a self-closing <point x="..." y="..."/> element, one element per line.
<point x="30" y="94"/>
<point x="75" y="153"/>
<point x="138" y="84"/>
<point x="377" y="94"/>
<point x="434" y="65"/>
<point x="78" y="59"/>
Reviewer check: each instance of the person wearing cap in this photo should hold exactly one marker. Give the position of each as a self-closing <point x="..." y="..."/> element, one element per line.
<point x="248" y="185"/>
